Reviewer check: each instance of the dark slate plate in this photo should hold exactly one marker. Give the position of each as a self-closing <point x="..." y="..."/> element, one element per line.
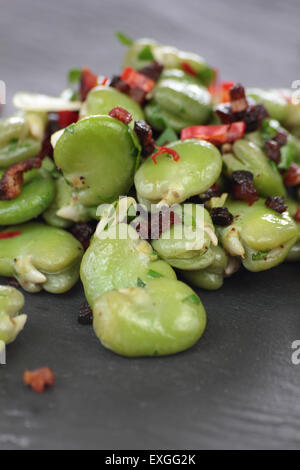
<point x="238" y="387"/>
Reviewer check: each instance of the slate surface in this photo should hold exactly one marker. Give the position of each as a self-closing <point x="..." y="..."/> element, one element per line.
<point x="237" y="388"/>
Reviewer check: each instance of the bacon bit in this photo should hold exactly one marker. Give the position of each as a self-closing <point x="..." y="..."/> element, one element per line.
<point x="104" y="81"/>
<point x="88" y="81"/>
<point x="217" y="135"/>
<point x="221" y="216"/>
<point x="292" y="177"/>
<point x="213" y="191"/>
<point x="152" y="71"/>
<point x="276" y="203"/>
<point x="5" y="235"/>
<point x="52" y="126"/>
<point x="238" y="98"/>
<point x="83" y="232"/>
<point x="137" y="80"/>
<point x="281" y="138"/>
<point x="65" y="118"/>
<point x="38" y="379"/>
<point x="273" y="150"/>
<point x="12" y="180"/>
<point x="85" y="316"/>
<point x="154" y="225"/>
<point x="187" y="68"/>
<point x="144" y="133"/>
<point x="243" y="187"/>
<point x="121" y="114"/>
<point x="297" y="215"/>
<point x="161" y="150"/>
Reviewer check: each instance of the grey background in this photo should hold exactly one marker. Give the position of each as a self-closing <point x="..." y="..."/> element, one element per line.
<point x="237" y="388"/>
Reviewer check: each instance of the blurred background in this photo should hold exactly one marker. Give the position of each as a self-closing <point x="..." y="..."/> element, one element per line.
<point x="255" y="42"/>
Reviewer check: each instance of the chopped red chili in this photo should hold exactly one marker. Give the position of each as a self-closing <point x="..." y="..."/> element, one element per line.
<point x="276" y="203"/>
<point x="65" y="118"/>
<point x="217" y="135"/>
<point x="243" y="187"/>
<point x="5" y="235"/>
<point x="121" y="114"/>
<point x="171" y="152"/>
<point x="292" y="177"/>
<point x="104" y="81"/>
<point x="220" y="91"/>
<point x="88" y="81"/>
<point x="187" y="68"/>
<point x="137" y="80"/>
<point x="39" y="379"/>
<point x="12" y="180"/>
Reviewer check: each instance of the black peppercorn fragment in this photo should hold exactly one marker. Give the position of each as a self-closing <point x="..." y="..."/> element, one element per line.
<point x="221" y="216"/>
<point x="276" y="203"/>
<point x="85" y="316"/>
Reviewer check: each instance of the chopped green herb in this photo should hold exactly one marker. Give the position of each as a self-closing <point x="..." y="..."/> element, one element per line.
<point x="13" y="143"/>
<point x="194" y="299"/>
<point x="260" y="255"/>
<point x="167" y="136"/>
<point x="287" y="156"/>
<point x="206" y="76"/>
<point x="146" y="53"/>
<point x="74" y="75"/>
<point x="125" y="40"/>
<point x="140" y="283"/>
<point x="154" y="274"/>
<point x="268" y="130"/>
<point x="272" y="164"/>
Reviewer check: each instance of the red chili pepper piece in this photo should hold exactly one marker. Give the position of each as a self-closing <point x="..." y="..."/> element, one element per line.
<point x="187" y="68"/>
<point x="88" y="81"/>
<point x="292" y="178"/>
<point x="6" y="235"/>
<point x="65" y="118"/>
<point x="217" y="135"/>
<point x="121" y="114"/>
<point x="297" y="215"/>
<point x="104" y="81"/>
<point x="220" y="91"/>
<point x="137" y="80"/>
<point x="161" y="150"/>
<point x="38" y="379"/>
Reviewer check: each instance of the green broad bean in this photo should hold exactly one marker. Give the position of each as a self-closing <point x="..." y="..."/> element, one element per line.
<point x="41" y="257"/>
<point x="117" y="263"/>
<point x="179" y="100"/>
<point x="188" y="245"/>
<point x="14" y="127"/>
<point x="259" y="235"/>
<point x="169" y="57"/>
<point x="36" y="195"/>
<point x="11" y="320"/>
<point x="198" y="168"/>
<point x="212" y="277"/>
<point x="248" y="156"/>
<point x="102" y="99"/>
<point x="98" y="156"/>
<point x="164" y="317"/>
<point x="294" y="253"/>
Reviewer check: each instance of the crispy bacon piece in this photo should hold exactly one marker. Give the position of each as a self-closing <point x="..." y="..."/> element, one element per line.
<point x="152" y="71"/>
<point x="83" y="231"/>
<point x="85" y="316"/>
<point x="292" y="177"/>
<point x="238" y="100"/>
<point x="88" y="81"/>
<point x="144" y="133"/>
<point x="154" y="225"/>
<point x="213" y="191"/>
<point x="39" y="379"/>
<point x="243" y="187"/>
<point x="121" y="114"/>
<point x="221" y="216"/>
<point x="276" y="203"/>
<point x="273" y="150"/>
<point x="297" y="215"/>
<point x="12" y="180"/>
